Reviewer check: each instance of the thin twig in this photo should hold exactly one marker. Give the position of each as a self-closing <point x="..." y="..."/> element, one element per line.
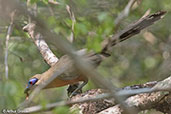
<point x="146" y="13"/>
<point x="71" y="14"/>
<point x="124" y="13"/>
<point x="123" y="93"/>
<point x="63" y="103"/>
<point x="9" y="32"/>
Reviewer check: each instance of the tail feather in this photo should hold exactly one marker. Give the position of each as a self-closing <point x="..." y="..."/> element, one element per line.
<point x="130" y="31"/>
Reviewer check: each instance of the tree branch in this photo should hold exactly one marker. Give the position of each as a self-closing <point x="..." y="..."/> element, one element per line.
<point x="124" y="13"/>
<point x="42" y="46"/>
<point x="71" y="14"/>
<point x="9" y="32"/>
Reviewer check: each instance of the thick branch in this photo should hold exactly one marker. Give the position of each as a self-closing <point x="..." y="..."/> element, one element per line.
<point x="38" y="39"/>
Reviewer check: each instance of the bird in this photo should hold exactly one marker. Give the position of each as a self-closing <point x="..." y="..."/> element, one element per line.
<point x="72" y="75"/>
<point x="69" y="77"/>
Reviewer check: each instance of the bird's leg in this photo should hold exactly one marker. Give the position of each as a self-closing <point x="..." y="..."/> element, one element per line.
<point x="73" y="87"/>
<point x="79" y="88"/>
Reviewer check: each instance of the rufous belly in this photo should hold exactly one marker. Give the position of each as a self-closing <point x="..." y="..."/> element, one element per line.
<point x="59" y="83"/>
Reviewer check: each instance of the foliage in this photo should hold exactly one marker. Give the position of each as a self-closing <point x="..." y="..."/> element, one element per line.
<point x="140" y="59"/>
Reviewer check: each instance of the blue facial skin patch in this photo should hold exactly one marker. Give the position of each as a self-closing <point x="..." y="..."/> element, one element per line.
<point x="32" y="82"/>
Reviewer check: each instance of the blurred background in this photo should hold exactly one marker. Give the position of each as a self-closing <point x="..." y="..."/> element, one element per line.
<point x="142" y="58"/>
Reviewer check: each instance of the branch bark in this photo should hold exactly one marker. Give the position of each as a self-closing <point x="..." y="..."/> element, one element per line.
<point x="42" y="46"/>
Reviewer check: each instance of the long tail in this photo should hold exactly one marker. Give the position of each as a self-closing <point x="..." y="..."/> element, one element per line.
<point x="130" y="31"/>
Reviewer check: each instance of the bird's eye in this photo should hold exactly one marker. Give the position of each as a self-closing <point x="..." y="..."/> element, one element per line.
<point x="30" y="82"/>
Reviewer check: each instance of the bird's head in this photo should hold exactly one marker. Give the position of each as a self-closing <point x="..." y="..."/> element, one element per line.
<point x="32" y="83"/>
